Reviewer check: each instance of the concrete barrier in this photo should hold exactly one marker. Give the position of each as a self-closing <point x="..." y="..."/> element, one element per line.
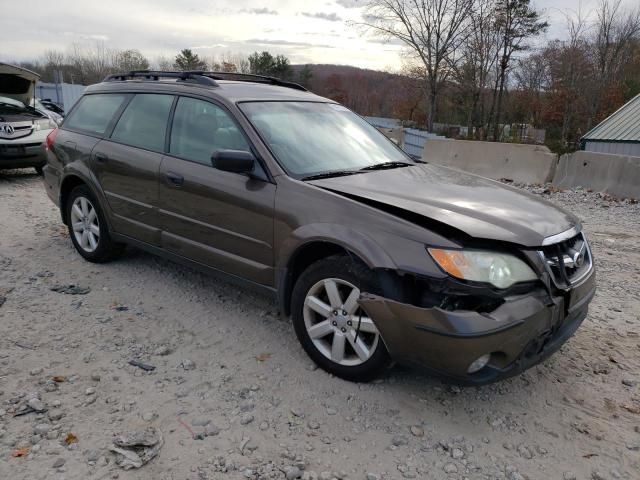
<point x="617" y="175"/>
<point x="517" y="162"/>
<point x="395" y="134"/>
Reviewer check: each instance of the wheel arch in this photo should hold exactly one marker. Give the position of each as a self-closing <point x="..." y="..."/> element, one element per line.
<point x="71" y="181"/>
<point x="66" y="187"/>
<point x="309" y="250"/>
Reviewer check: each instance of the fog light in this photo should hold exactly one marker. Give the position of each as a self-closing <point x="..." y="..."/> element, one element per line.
<point x="479" y="363"/>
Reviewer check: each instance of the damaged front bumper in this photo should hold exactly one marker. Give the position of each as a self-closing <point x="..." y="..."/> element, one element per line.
<point x="520" y="333"/>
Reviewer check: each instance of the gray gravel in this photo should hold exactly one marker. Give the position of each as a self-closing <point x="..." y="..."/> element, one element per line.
<point x="235" y="397"/>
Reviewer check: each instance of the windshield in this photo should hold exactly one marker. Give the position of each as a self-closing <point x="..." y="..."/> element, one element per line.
<point x="310" y="138"/>
<point x="10" y="102"/>
<point x="10" y="106"/>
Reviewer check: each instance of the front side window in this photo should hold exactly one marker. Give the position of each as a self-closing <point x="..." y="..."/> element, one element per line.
<point x="310" y="138"/>
<point x="144" y="122"/>
<point x="94" y="112"/>
<point x="199" y="128"/>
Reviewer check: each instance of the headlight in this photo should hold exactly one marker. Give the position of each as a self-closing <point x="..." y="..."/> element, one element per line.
<point x="44" y="124"/>
<point x="499" y="269"/>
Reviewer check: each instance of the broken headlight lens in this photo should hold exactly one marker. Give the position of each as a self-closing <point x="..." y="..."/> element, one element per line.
<point x="499" y="269"/>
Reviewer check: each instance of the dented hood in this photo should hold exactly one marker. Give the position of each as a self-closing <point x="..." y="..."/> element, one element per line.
<point x="480" y="207"/>
<point x="17" y="83"/>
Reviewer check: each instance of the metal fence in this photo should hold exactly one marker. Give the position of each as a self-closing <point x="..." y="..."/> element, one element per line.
<point x="66" y="94"/>
<point x="414" y="139"/>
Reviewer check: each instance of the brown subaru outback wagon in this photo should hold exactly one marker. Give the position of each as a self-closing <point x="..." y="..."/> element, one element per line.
<point x="377" y="257"/>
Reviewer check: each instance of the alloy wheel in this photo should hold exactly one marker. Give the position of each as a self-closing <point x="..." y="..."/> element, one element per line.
<point x="85" y="224"/>
<point x="337" y="325"/>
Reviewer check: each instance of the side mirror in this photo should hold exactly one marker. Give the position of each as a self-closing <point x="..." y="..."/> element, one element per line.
<point x="236" y="161"/>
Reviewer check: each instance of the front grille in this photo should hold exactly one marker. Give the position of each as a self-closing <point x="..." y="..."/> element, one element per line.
<point x="568" y="261"/>
<point x="18" y="130"/>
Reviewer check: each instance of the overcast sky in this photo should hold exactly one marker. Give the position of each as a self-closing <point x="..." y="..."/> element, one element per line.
<point x="310" y="31"/>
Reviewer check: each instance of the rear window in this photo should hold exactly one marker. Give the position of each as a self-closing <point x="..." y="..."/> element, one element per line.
<point x="94" y="113"/>
<point x="144" y="122"/>
<point x="12" y="84"/>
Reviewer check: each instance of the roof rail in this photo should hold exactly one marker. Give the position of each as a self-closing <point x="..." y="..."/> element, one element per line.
<point x="202" y="77"/>
<point x="196" y="77"/>
<point x="250" y="77"/>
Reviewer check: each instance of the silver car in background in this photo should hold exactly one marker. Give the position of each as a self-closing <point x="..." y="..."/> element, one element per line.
<point x="23" y="128"/>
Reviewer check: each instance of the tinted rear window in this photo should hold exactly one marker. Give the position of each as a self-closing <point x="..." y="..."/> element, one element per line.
<point x="13" y="85"/>
<point x="94" y="112"/>
<point x="144" y="122"/>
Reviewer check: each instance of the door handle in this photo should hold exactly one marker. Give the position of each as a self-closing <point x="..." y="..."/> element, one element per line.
<point x="175" y="179"/>
<point x="101" y="157"/>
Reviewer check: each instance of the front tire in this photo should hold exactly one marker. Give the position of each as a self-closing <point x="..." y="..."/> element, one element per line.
<point x="335" y="331"/>
<point x="88" y="227"/>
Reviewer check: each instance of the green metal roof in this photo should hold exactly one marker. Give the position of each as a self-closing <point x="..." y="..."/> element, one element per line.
<point x="621" y="126"/>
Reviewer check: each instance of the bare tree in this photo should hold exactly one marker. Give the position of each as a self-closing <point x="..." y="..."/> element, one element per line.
<point x="569" y="65"/>
<point x="163" y="63"/>
<point x="128" y="60"/>
<point x="476" y="63"/>
<point x="517" y="22"/>
<point x="615" y="31"/>
<point x="92" y="64"/>
<point x="532" y="78"/>
<point x="432" y="30"/>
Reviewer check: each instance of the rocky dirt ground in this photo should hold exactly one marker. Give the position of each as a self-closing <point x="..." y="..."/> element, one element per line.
<point x="235" y="397"/>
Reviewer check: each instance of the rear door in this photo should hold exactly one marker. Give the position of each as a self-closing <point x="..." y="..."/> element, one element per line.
<point x="220" y="219"/>
<point x="127" y="165"/>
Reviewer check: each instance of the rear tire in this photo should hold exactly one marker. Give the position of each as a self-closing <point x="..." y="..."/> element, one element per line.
<point x="88" y="227"/>
<point x="333" y="329"/>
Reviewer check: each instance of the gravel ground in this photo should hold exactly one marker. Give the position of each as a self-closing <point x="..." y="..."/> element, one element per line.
<point x="235" y="397"/>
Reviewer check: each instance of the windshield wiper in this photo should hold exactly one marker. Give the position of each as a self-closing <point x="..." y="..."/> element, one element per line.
<point x="337" y="173"/>
<point x="386" y="165"/>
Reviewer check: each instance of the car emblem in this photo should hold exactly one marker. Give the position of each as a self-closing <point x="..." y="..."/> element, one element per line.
<point x="6" y="129"/>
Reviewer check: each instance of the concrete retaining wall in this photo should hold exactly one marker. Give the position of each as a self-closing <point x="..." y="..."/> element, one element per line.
<point x="617" y="175"/>
<point x="520" y="163"/>
<point x="395" y="134"/>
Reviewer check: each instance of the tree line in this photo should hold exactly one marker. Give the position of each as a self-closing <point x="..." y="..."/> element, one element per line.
<point x="481" y="63"/>
<point x="88" y="64"/>
<point x="476" y="63"/>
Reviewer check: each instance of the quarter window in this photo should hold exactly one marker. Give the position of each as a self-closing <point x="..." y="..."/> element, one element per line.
<point x="144" y="122"/>
<point x="199" y="128"/>
<point x="94" y="113"/>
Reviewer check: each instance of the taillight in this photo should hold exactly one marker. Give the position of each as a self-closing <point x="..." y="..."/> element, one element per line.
<point x="51" y="138"/>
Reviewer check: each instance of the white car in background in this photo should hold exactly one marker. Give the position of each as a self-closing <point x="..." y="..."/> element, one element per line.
<point x="38" y="105"/>
<point x="23" y="128"/>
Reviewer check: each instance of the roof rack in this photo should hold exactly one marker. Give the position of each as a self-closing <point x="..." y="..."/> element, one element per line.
<point x="202" y="78"/>
<point x="249" y="77"/>
<point x="191" y="77"/>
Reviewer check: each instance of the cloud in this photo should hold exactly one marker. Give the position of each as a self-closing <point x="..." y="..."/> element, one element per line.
<point x="261" y="11"/>
<point x="331" y="17"/>
<point x="387" y="41"/>
<point x="371" y="18"/>
<point x="349" y="3"/>
<point x="286" y="43"/>
<point x="85" y="36"/>
<point x="213" y="45"/>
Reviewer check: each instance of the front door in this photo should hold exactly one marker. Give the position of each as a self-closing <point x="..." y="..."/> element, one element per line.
<point x="220" y="219"/>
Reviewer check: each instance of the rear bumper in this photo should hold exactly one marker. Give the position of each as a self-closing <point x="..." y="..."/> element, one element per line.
<point x="519" y="334"/>
<point x="22" y="155"/>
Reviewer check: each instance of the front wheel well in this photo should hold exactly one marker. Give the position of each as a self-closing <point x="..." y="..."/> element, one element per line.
<point x="68" y="184"/>
<point x="301" y="260"/>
